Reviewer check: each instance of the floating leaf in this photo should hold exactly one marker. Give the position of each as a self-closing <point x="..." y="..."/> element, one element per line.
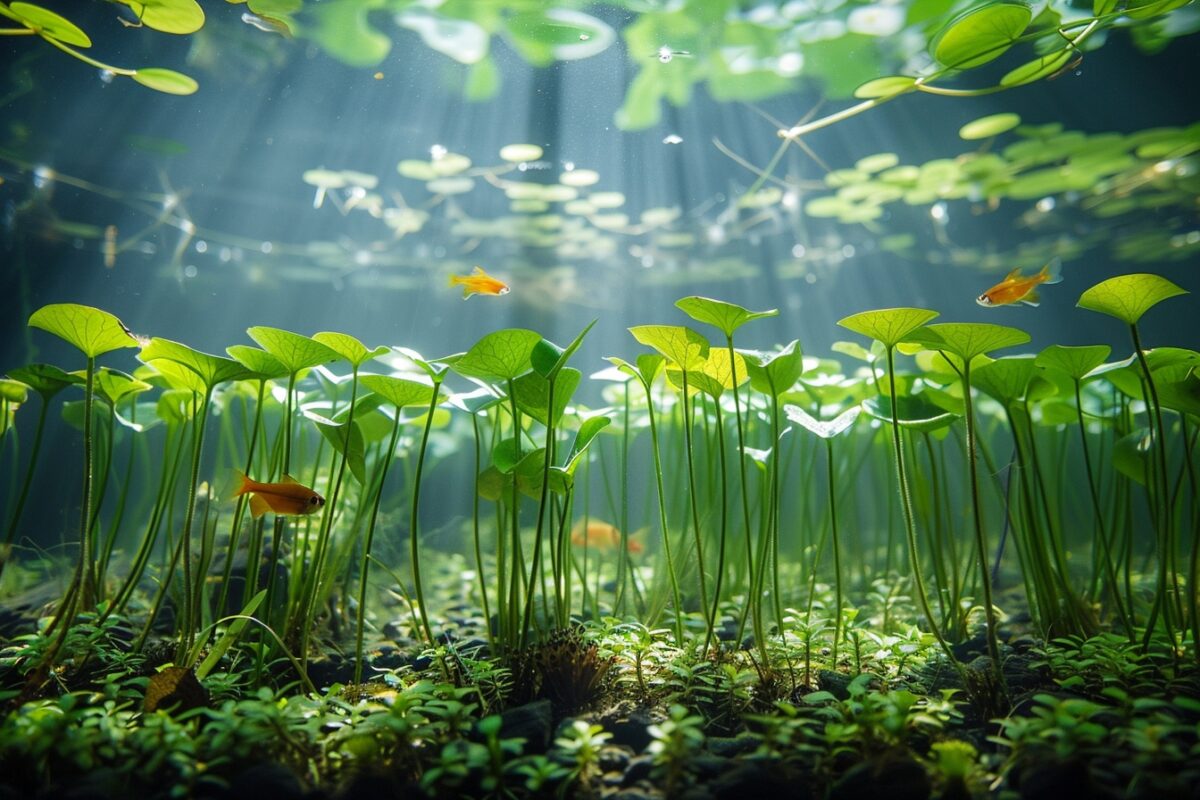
<point x="418" y="170"/>
<point x="727" y="317"/>
<point x="500" y="355"/>
<point x="49" y="24"/>
<point x="90" y="330"/>
<point x="516" y="153"/>
<point x="980" y="34"/>
<point x="775" y="373"/>
<point x="349" y="348"/>
<point x="883" y="87"/>
<point x="989" y="126"/>
<point x="887" y="325"/>
<point x="579" y="178"/>
<point x="683" y="346"/>
<point x="1038" y="68"/>
<point x="876" y="163"/>
<point x="1074" y="361"/>
<point x="967" y="340"/>
<point x="168" y="16"/>
<point x="342" y="29"/>
<point x="166" y="80"/>
<point x="826" y="429"/>
<point x="294" y="351"/>
<point x="1128" y="297"/>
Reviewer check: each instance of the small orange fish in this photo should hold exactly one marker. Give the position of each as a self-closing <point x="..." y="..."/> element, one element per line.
<point x="479" y="282"/>
<point x="1018" y="289"/>
<point x="287" y="497"/>
<point x="602" y="536"/>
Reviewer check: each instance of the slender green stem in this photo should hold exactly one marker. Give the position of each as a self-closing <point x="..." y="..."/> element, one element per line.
<point x="662" y="515"/>
<point x="413" y="532"/>
<point x="691" y="474"/>
<point x="34" y="451"/>
<point x="547" y="456"/>
<point x="714" y="616"/>
<point x="190" y="614"/>
<point x="837" y="553"/>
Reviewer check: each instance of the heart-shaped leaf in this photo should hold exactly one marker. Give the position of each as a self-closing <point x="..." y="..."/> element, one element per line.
<point x="967" y="340"/>
<point x="212" y="370"/>
<point x="400" y="392"/>
<point x="887" y="325"/>
<point x="683" y="346"/>
<point x="1131" y="455"/>
<point x="548" y="358"/>
<point x="826" y="429"/>
<point x="1074" y="361"/>
<point x="775" y="373"/>
<point x="114" y="385"/>
<point x="263" y="364"/>
<point x="726" y="317"/>
<point x="532" y="393"/>
<point x="294" y="351"/>
<point x="499" y="356"/>
<point x="45" y="379"/>
<point x="1128" y="297"/>
<point x="168" y="16"/>
<point x="346" y="440"/>
<point x="349" y="348"/>
<point x="980" y="34"/>
<point x="1006" y="380"/>
<point x="915" y="412"/>
<point x="92" y="331"/>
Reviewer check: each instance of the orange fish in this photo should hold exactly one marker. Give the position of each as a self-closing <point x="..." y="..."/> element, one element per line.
<point x="602" y="536"/>
<point x="1016" y="288"/>
<point x="287" y="497"/>
<point x="479" y="282"/>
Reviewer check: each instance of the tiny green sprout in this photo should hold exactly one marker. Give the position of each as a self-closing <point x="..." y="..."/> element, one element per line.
<point x="581" y="743"/>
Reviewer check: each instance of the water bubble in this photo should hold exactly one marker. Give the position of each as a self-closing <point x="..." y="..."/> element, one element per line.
<point x="106" y="76"/>
<point x="362" y="258"/>
<point x="201" y="246"/>
<point x="190" y="271"/>
<point x="939" y="212"/>
<point x="437" y="151"/>
<point x="266" y="247"/>
<point x="1045" y="205"/>
<point x="41" y="176"/>
<point x="568" y="166"/>
<point x="225" y="254"/>
<point x="672" y="139"/>
<point x="583" y="37"/>
<point x="810" y="278"/>
<point x="848" y="250"/>
<point x="665" y="55"/>
<point x="798" y="251"/>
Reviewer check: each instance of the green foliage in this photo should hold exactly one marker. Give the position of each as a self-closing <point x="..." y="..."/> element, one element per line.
<point x="889" y="326"/>
<point x="349" y="348"/>
<point x="1128" y="297"/>
<point x="775" y="373"/>
<point x="293" y="351"/>
<point x="211" y="370"/>
<point x="967" y="340"/>
<point x="1076" y="361"/>
<point x="685" y="348"/>
<point x="727" y="317"/>
<point x="980" y="34"/>
<point x="91" y="331"/>
<point x="500" y="355"/>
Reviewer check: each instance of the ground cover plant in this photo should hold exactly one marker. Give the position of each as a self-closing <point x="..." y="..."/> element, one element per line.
<point x="926" y="567"/>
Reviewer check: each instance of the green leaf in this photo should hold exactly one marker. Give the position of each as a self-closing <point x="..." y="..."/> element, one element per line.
<point x="231" y="635"/>
<point x="726" y="317"/>
<point x="49" y="24"/>
<point x="494" y="484"/>
<point x="260" y="362"/>
<point x="775" y="373"/>
<point x="548" y="358"/>
<point x="176" y="405"/>
<point x="1128" y="297"/>
<point x="980" y="34"/>
<point x="347" y="440"/>
<point x="212" y="370"/>
<point x="1131" y="455"/>
<point x="1038" y="68"/>
<point x="1182" y="395"/>
<point x="1144" y="9"/>
<point x="683" y="346"/>
<point x="167" y="81"/>
<point x="883" y="87"/>
<point x="72" y="414"/>
<point x="826" y="429"/>
<point x="507" y="454"/>
<point x="1102" y="7"/>
<point x="177" y="376"/>
<point x="499" y="356"/>
<point x="349" y="348"/>
<point x="646" y="370"/>
<point x="400" y="392"/>
<point x="13" y="391"/>
<point x="557" y="34"/>
<point x="45" y="379"/>
<point x="294" y="351"/>
<point x="989" y="126"/>
<point x="342" y="29"/>
<point x="915" y="412"/>
<point x="168" y="16"/>
<point x="1006" y="380"/>
<point x="697" y="381"/>
<point x="532" y="393"/>
<point x="1074" y="361"/>
<point x="718" y="367"/>
<point x="588" y="431"/>
<point x="114" y="385"/>
<point x="888" y="325"/>
<point x="92" y="331"/>
<point x="967" y="339"/>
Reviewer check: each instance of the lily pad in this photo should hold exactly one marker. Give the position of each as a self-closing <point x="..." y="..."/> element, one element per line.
<point x="417" y="170"/>
<point x="167" y="81"/>
<point x="1038" y="68"/>
<point x="1128" y="297"/>
<point x="989" y="126"/>
<point x="49" y="24"/>
<point x="887" y="325"/>
<point x="168" y="16"/>
<point x="516" y="153"/>
<point x="456" y="185"/>
<point x="1006" y="379"/>
<point x="980" y="34"/>
<point x="579" y="178"/>
<point x="92" y="331"/>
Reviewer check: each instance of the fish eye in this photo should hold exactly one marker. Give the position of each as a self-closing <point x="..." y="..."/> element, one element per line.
<point x="314" y="500"/>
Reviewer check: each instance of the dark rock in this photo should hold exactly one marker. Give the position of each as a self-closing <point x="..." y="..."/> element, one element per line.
<point x="632" y="794"/>
<point x="706" y="767"/>
<point x="614" y="758"/>
<point x="970" y="648"/>
<point x="533" y="722"/>
<point x="476" y="649"/>
<point x="899" y="778"/>
<point x="387" y="657"/>
<point x="264" y="780"/>
<point x="377" y="786"/>
<point x="639" y="769"/>
<point x="757" y="779"/>
<point x="632" y="731"/>
<point x="698" y="792"/>
<point x="833" y="682"/>
<point x="1054" y="780"/>
<point x="328" y="670"/>
<point x="728" y="747"/>
<point x="422" y="663"/>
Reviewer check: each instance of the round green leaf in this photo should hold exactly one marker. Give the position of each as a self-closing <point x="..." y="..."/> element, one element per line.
<point x="775" y="373"/>
<point x="500" y="355"/>
<point x="49" y="24"/>
<point x="683" y="346"/>
<point x="882" y="87"/>
<point x="400" y="392"/>
<point x="349" y="348"/>
<point x="991" y="125"/>
<point x="1038" y="68"/>
<point x="45" y="379"/>
<point x="1074" y="361"/>
<point x="980" y="34"/>
<point x="1005" y="379"/>
<point x="887" y="325"/>
<point x="1128" y="297"/>
<point x="727" y="317"/>
<point x="516" y="153"/>
<point x="211" y="369"/>
<point x="168" y="16"/>
<point x="967" y="339"/>
<point x="294" y="351"/>
<point x="166" y="80"/>
<point x="258" y="361"/>
<point x="90" y="330"/>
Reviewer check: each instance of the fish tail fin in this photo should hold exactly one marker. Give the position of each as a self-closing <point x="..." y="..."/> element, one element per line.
<point x="241" y="484"/>
<point x="467" y="290"/>
<point x="455" y="280"/>
<point x="1032" y="299"/>
<point x="258" y="506"/>
<point x="1052" y="272"/>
